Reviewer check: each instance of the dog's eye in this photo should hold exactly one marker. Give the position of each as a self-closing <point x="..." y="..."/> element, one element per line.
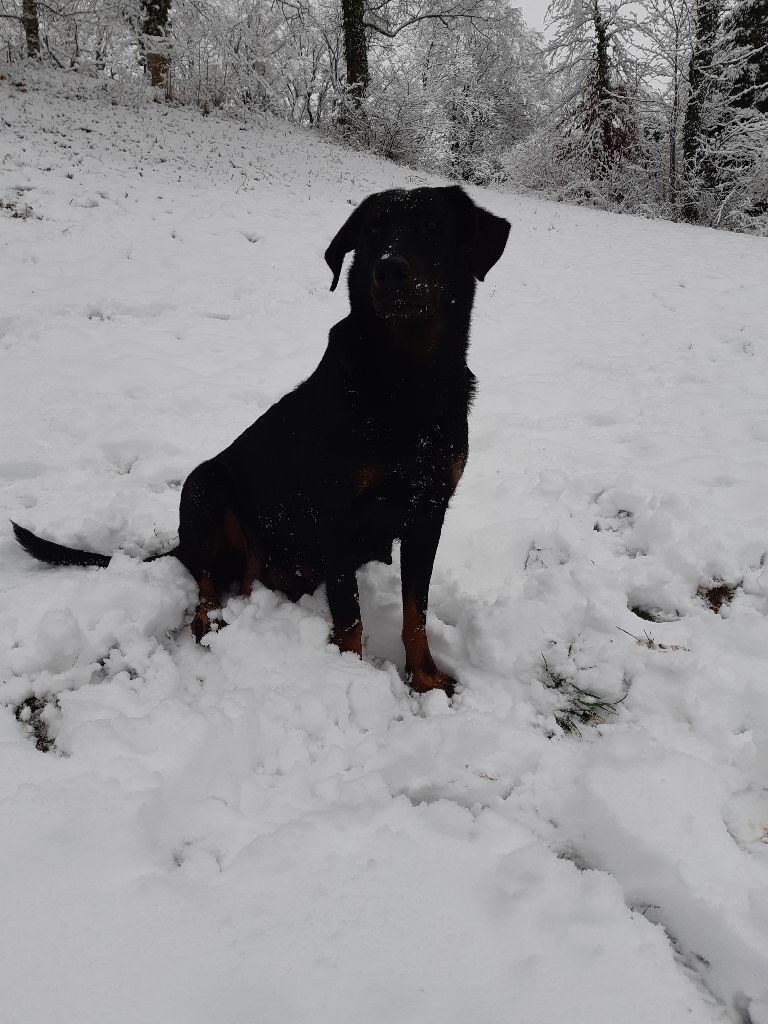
<point x="430" y="225"/>
<point x="376" y="228"/>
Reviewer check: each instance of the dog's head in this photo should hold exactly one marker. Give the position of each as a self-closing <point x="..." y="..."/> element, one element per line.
<point x="416" y="251"/>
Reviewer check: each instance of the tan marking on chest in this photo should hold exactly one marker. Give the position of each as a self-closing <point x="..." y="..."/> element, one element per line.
<point x="366" y="478"/>
<point x="456" y="470"/>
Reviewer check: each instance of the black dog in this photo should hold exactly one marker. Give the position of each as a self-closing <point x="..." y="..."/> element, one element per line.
<point x="368" y="449"/>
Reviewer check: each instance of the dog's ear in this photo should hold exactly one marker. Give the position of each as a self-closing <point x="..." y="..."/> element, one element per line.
<point x="344" y="242"/>
<point x="491" y="233"/>
<point x="486" y="233"/>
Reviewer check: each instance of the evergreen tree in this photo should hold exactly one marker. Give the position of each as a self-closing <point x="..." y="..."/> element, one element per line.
<point x="747" y="35"/>
<point x="701" y="84"/>
<point x="725" y="134"/>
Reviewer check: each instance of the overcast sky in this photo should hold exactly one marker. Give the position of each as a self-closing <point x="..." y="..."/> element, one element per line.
<point x="533" y="11"/>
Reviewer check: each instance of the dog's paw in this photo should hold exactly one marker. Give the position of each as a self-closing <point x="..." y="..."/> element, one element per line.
<point x="422" y="681"/>
<point x="205" y="621"/>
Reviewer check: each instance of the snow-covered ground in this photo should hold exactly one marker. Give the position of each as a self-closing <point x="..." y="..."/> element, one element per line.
<point x="265" y="830"/>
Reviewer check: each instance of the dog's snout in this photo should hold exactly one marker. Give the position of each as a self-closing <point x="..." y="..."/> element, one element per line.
<point x="392" y="270"/>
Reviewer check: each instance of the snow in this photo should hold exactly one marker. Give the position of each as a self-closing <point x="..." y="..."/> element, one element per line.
<point x="263" y="829"/>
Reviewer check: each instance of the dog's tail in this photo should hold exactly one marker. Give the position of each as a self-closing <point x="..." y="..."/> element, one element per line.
<point x="58" y="554"/>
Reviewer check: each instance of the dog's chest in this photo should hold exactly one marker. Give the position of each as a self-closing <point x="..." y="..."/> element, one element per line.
<point x="403" y="447"/>
<point x="399" y="443"/>
<point x="385" y="482"/>
<point x="393" y="472"/>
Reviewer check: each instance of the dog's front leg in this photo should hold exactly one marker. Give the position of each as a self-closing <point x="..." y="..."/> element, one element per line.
<point x="341" y="587"/>
<point x="417" y="556"/>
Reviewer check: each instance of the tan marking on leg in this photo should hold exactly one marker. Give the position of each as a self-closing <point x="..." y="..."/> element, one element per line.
<point x="349" y="639"/>
<point x="209" y="601"/>
<point x="420" y="666"/>
<point x="254" y="570"/>
<point x="417" y="653"/>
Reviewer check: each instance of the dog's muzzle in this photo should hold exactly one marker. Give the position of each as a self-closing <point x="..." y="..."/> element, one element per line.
<point x="396" y="292"/>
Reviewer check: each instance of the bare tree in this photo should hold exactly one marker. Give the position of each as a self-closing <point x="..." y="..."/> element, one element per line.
<point x="596" y="77"/>
<point x="390" y="18"/>
<point x="664" y="41"/>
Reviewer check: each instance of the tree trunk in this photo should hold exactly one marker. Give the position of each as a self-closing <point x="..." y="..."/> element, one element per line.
<point x="31" y="27"/>
<point x="602" y="77"/>
<point x="674" y="116"/>
<point x="673" y="163"/>
<point x="699" y="80"/>
<point x="355" y="47"/>
<point x="154" y="27"/>
<point x="157" y="66"/>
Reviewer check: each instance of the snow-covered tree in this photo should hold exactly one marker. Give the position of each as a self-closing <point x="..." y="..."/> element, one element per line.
<point x="154" y="29"/>
<point x="663" y="42"/>
<point x="725" y="135"/>
<point x="596" y="84"/>
<point x="31" y="27"/>
<point x="702" y="88"/>
<point x="746" y="37"/>
<point x="451" y="96"/>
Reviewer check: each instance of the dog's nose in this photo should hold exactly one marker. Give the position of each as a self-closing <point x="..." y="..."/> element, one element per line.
<point x="392" y="270"/>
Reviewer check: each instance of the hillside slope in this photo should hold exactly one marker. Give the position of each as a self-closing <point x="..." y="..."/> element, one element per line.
<point x="264" y="830"/>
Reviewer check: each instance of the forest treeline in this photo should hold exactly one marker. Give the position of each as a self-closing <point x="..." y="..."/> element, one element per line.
<point x="656" y="107"/>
